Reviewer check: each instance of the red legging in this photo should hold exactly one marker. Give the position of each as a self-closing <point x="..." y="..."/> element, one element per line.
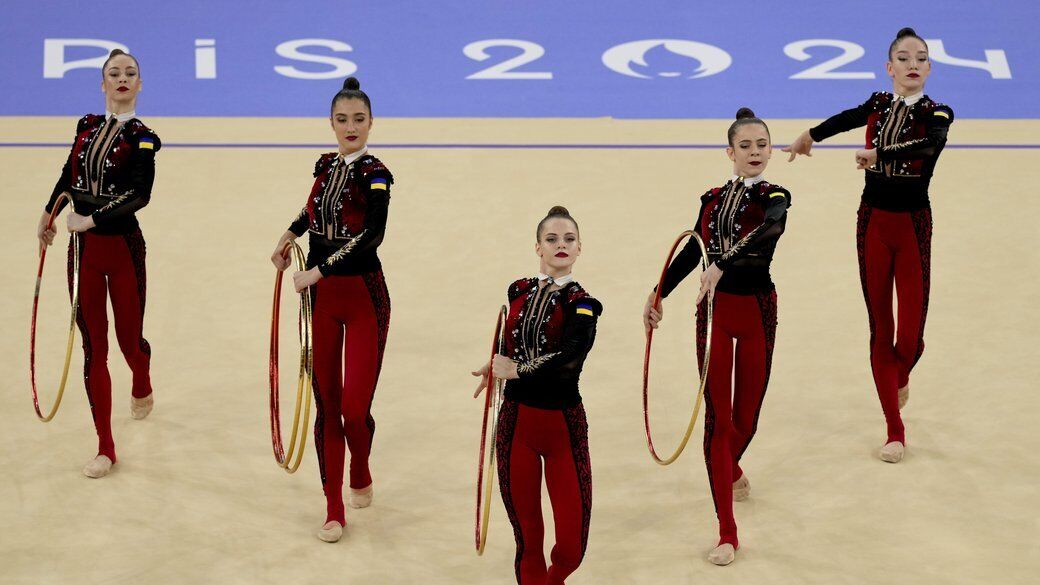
<point x="731" y="410"/>
<point x="526" y="437"/>
<point x="894" y="247"/>
<point x="351" y="318"/>
<point x="116" y="264"/>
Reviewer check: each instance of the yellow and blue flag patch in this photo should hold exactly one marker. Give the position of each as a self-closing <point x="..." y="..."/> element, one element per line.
<point x="585" y="309"/>
<point x="379" y="183"/>
<point x="147" y="143"/>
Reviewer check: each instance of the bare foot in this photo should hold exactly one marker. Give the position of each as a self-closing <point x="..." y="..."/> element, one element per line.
<point x="98" y="467"/>
<point x="904" y="396"/>
<point x="140" y="407"/>
<point x="361" y="498"/>
<point x="741" y="489"/>
<point x="723" y="554"/>
<point x="331" y="531"/>
<point x="892" y="452"/>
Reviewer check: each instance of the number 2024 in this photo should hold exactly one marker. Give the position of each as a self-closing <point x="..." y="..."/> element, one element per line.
<point x="715" y="60"/>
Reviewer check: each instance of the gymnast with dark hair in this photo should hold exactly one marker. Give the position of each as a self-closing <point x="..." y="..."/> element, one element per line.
<point x="345" y="214"/>
<point x="906" y="133"/>
<point x="740" y="224"/>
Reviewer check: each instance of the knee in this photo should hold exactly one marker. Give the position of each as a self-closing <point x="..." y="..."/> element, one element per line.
<point x="354" y="418"/>
<point x="568" y="556"/>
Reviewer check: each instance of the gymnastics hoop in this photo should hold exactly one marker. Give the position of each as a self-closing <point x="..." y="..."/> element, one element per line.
<point x="284" y="459"/>
<point x="646" y="358"/>
<point x="486" y="464"/>
<point x="75" y="241"/>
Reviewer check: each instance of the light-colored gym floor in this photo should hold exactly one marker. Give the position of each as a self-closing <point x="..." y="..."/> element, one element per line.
<point x="197" y="498"/>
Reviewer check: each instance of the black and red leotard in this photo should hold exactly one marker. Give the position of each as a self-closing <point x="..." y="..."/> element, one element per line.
<point x="346" y="214"/>
<point x="549" y="332"/>
<point x="109" y="175"/>
<point x="894" y="231"/>
<point x="740" y="223"/>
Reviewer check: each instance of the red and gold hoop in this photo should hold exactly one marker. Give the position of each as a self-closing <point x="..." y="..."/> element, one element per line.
<point x="75" y="243"/>
<point x="703" y="370"/>
<point x="290" y="461"/>
<point x="486" y="464"/>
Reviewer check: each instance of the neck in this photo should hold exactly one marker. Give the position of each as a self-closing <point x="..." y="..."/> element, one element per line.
<point x="905" y="91"/>
<point x="345" y="152"/>
<point x="554" y="272"/>
<point x="747" y="175"/>
<point x="119" y="108"/>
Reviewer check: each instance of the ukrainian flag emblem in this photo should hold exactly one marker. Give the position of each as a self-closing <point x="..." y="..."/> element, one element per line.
<point x="585" y="309"/>
<point x="147" y="143"/>
<point x="942" y="113"/>
<point x="379" y="183"/>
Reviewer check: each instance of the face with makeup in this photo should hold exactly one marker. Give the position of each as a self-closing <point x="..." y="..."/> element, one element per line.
<point x="750" y="150"/>
<point x="121" y="81"/>
<point x="908" y="66"/>
<point x="351" y="122"/>
<point x="558" y="246"/>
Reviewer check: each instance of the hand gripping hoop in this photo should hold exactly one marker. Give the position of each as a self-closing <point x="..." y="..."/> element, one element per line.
<point x="646" y="359"/>
<point x="75" y="241"/>
<point x="486" y="464"/>
<point x="303" y="387"/>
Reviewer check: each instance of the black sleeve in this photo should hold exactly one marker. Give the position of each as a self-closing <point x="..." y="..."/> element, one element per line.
<point x="373" y="227"/>
<point x="772" y="227"/>
<point x="64" y="184"/>
<point x="842" y="122"/>
<point x="687" y="259"/>
<point x="299" y="225"/>
<point x="579" y="333"/>
<point x="937" y="125"/>
<point x="142" y="175"/>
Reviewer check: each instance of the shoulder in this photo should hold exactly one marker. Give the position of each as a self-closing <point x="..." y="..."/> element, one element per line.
<point x="581" y="302"/>
<point x="712" y="193"/>
<point x="935" y="109"/>
<point x="323" y="162"/>
<point x="879" y="100"/>
<point x="89" y="121"/>
<point x="371" y="167"/>
<point x="520" y="286"/>
<point x="768" y="191"/>
<point x="141" y="135"/>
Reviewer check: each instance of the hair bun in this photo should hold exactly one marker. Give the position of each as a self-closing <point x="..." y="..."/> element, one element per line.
<point x="557" y="210"/>
<point x="352" y="83"/>
<point x="906" y="32"/>
<point x="745" y="113"/>
<point x="116" y="52"/>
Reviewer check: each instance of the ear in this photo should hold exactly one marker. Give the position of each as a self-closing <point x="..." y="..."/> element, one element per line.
<point x="732" y="155"/>
<point x="332" y="123"/>
<point x="537" y="249"/>
<point x="888" y="69"/>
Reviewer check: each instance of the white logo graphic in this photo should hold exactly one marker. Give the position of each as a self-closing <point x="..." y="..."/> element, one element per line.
<point x="712" y="59"/>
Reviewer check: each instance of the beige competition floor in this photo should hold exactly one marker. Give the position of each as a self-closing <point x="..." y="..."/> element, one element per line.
<point x="197" y="497"/>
